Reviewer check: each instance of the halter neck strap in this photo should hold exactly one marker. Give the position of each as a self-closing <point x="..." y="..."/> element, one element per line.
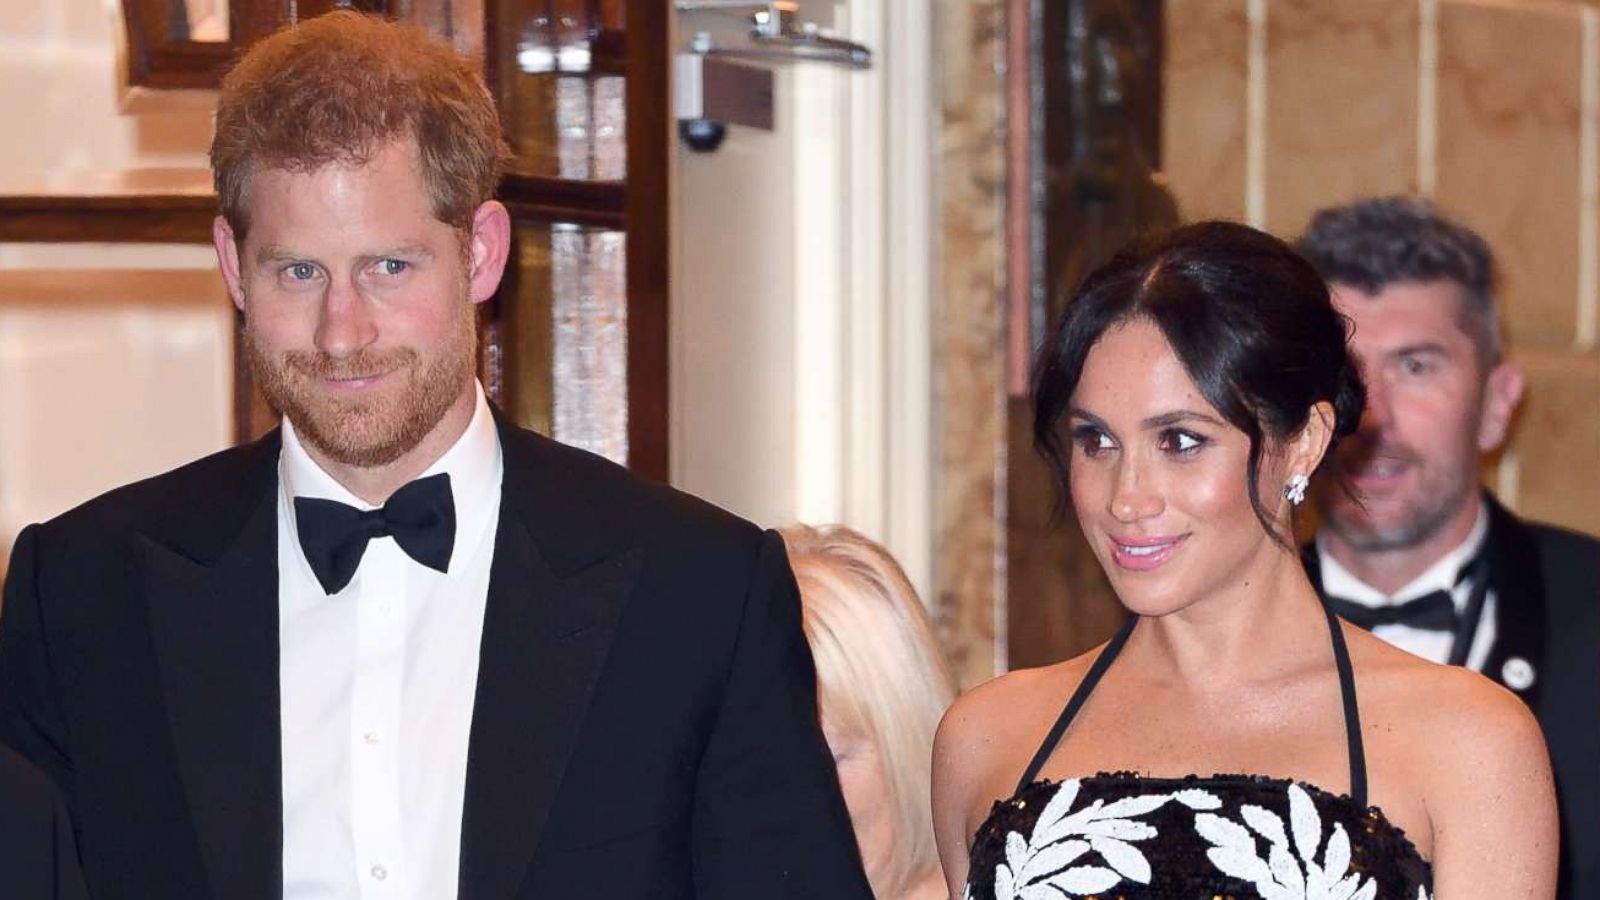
<point x="1113" y="648"/>
<point x="1085" y="687"/>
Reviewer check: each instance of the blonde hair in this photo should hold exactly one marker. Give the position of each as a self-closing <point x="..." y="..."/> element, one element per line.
<point x="879" y="671"/>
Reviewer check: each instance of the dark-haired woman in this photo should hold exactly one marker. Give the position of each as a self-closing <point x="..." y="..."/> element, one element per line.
<point x="1234" y="739"/>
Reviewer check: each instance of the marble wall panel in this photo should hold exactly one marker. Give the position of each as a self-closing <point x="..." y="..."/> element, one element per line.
<point x="58" y="74"/>
<point x="1203" y="119"/>
<point x="23" y="21"/>
<point x="1341" y="105"/>
<point x="141" y="361"/>
<point x="1550" y="473"/>
<point x="1509" y="149"/>
<point x="968" y="337"/>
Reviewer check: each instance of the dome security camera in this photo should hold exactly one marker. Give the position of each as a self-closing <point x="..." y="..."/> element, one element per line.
<point x="702" y="135"/>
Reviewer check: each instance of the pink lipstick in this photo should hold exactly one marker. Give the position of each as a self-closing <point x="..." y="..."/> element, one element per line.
<point x="1143" y="554"/>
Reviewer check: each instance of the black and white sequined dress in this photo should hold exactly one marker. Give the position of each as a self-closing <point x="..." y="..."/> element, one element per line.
<point x="1121" y="836"/>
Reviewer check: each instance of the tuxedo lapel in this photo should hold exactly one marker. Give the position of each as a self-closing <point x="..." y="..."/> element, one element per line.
<point x="214" y="624"/>
<point x="1517" y="658"/>
<point x="546" y="632"/>
<point x="1516" y="575"/>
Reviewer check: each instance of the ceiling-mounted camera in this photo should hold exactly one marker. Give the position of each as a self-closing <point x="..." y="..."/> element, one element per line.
<point x="712" y="92"/>
<point x="702" y="135"/>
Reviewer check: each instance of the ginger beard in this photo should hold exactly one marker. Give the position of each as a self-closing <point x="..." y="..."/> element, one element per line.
<point x="380" y="426"/>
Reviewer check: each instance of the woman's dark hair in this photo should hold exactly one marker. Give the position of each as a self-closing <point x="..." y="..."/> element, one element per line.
<point x="1249" y="319"/>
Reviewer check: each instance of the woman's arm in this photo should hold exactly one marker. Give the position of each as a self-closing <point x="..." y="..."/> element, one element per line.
<point x="1493" y="807"/>
<point x="954" y="768"/>
<point x="978" y="738"/>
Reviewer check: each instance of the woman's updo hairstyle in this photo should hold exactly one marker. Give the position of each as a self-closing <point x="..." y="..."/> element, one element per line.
<point x="1249" y="319"/>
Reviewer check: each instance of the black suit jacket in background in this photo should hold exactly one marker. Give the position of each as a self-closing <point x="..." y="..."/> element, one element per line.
<point x="644" y="723"/>
<point x="38" y="859"/>
<point x="1546" y="584"/>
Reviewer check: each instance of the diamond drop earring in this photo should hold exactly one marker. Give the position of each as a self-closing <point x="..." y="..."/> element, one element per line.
<point x="1295" y="490"/>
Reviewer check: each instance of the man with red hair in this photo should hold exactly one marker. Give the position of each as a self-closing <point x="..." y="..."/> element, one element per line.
<point x="401" y="648"/>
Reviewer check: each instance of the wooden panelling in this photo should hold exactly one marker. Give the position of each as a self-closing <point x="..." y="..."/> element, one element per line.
<point x="139" y="206"/>
<point x="111" y="288"/>
<point x="648" y="217"/>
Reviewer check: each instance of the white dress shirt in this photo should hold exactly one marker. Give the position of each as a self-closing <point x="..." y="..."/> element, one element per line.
<point x="1337" y="581"/>
<point x="378" y="683"/>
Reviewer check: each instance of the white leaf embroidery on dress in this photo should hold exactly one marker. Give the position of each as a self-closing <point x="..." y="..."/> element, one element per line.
<point x="1050" y="863"/>
<point x="1286" y="873"/>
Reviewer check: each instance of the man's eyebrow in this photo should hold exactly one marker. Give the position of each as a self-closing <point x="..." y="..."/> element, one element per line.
<point x="1420" y="348"/>
<point x="270" y="253"/>
<point x="414" y="250"/>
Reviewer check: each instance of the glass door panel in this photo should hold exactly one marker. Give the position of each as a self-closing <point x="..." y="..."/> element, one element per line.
<point x="561" y="326"/>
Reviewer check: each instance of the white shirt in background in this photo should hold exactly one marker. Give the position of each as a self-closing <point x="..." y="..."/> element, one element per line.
<point x="1337" y="581"/>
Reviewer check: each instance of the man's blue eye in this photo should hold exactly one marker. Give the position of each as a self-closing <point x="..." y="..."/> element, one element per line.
<point x="302" y="271"/>
<point x="393" y="266"/>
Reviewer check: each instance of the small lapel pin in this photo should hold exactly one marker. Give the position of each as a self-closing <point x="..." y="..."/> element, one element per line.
<point x="1518" y="674"/>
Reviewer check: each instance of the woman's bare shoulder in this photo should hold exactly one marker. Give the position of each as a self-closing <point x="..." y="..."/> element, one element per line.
<point x="1005" y="716"/>
<point x="1461" y="716"/>
<point x="1476" y="754"/>
<point x="984" y="742"/>
<point x="1016" y="699"/>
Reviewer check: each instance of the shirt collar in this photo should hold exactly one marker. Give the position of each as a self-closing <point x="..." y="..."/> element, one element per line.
<point x="473" y="463"/>
<point x="1338" y="581"/>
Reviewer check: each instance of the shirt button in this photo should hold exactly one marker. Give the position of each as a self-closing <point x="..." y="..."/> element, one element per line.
<point x="379" y="873"/>
<point x="370" y="737"/>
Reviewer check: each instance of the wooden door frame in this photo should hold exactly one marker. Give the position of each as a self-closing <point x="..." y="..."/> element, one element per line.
<point x="647" y="214"/>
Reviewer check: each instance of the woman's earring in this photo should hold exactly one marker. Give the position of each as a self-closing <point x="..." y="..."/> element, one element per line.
<point x="1295" y="490"/>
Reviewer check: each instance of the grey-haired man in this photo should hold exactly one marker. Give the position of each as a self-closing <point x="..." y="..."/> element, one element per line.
<point x="1416" y="550"/>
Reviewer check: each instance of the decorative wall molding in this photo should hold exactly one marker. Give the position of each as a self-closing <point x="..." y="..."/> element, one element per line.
<point x="863" y="223"/>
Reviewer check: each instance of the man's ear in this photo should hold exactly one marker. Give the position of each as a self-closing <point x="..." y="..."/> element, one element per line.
<point x="490" y="246"/>
<point x="1502" y="393"/>
<point x="228" y="259"/>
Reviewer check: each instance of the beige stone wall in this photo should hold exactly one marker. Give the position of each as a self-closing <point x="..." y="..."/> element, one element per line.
<point x="115" y="359"/>
<point x="59" y="90"/>
<point x="1274" y="108"/>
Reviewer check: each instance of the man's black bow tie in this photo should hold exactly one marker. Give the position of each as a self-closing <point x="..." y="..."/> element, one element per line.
<point x="421" y="517"/>
<point x="1434" y="611"/>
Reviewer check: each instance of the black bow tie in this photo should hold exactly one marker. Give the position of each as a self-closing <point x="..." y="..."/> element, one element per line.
<point x="1434" y="611"/>
<point x="421" y="517"/>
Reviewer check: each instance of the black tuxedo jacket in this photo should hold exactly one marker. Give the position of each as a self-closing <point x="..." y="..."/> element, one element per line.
<point x="644" y="724"/>
<point x="1546" y="584"/>
<point x="38" y="860"/>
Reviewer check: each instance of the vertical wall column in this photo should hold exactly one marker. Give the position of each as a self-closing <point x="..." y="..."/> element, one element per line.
<point x="969" y="411"/>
